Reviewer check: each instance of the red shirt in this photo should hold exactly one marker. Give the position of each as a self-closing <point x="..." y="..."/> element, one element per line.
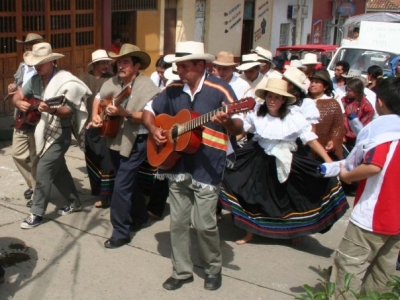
<point x="365" y="113"/>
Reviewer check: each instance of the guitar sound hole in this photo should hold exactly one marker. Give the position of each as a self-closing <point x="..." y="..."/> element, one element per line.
<point x="174" y="132"/>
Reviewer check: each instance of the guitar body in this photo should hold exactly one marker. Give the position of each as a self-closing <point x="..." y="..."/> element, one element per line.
<point x="164" y="157"/>
<point x="29" y="119"/>
<point x="110" y="124"/>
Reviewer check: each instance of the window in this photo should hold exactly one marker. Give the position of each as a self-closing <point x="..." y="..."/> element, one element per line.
<point x="284" y="34"/>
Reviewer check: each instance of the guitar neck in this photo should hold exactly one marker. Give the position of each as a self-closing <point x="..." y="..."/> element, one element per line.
<point x="192" y="124"/>
<point x="122" y="95"/>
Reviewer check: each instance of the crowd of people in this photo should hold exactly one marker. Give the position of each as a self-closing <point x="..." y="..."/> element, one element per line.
<point x="299" y="122"/>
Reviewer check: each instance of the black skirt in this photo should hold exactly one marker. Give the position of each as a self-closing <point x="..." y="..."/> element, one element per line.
<point x="305" y="203"/>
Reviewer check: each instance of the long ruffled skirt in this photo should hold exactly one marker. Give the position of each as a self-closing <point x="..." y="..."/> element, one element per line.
<point x="304" y="204"/>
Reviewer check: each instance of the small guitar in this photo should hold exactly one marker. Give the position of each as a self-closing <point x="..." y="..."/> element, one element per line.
<point x="28" y="119"/>
<point x="184" y="134"/>
<point x="111" y="124"/>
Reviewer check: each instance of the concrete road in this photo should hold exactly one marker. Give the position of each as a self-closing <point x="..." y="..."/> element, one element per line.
<point x="64" y="257"/>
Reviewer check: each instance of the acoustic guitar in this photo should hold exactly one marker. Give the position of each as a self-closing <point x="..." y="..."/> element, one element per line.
<point x="184" y="133"/>
<point x="111" y="123"/>
<point x="30" y="118"/>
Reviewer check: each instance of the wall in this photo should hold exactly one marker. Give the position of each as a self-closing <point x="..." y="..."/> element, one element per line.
<point x="263" y="23"/>
<point x="149" y="26"/>
<point x="223" y="27"/>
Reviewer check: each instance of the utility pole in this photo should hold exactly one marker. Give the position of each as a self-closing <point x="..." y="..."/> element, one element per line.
<point x="299" y="21"/>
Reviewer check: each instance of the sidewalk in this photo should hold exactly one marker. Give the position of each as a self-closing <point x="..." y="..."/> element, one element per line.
<point x="64" y="257"/>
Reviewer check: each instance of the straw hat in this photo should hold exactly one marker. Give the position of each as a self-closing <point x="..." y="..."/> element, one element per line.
<point x="249" y="61"/>
<point x="132" y="50"/>
<point x="99" y="55"/>
<point x="31" y="38"/>
<point x="185" y="51"/>
<point x="172" y="73"/>
<point x="264" y="55"/>
<point x="309" y="59"/>
<point x="296" y="77"/>
<point x="277" y="86"/>
<point x="352" y="73"/>
<point x="295" y="63"/>
<point x="324" y="76"/>
<point x="225" y="58"/>
<point x="41" y="53"/>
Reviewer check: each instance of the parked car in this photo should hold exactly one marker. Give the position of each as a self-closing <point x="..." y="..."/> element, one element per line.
<point x="324" y="52"/>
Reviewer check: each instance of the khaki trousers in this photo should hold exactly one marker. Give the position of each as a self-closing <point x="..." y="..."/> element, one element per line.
<point x="24" y="155"/>
<point x="371" y="257"/>
<point x="190" y="204"/>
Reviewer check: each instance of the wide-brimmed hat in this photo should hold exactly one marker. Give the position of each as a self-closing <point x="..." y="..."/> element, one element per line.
<point x="295" y="63"/>
<point x="225" y="58"/>
<point x="41" y="53"/>
<point x="324" y="76"/>
<point x="296" y="77"/>
<point x="277" y="86"/>
<point x="31" y="38"/>
<point x="264" y="55"/>
<point x="310" y="59"/>
<point x="132" y="50"/>
<point x="190" y="50"/>
<point x="99" y="55"/>
<point x="249" y="61"/>
<point x="352" y="73"/>
<point x="172" y="73"/>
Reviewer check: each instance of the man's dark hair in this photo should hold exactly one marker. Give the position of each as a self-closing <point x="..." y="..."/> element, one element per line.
<point x="375" y="71"/>
<point x="344" y="64"/>
<point x="135" y="60"/>
<point x="356" y="29"/>
<point x="388" y="91"/>
<point x="161" y="63"/>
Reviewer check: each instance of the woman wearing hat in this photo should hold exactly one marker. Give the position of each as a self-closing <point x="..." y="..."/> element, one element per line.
<point x="282" y="196"/>
<point x="330" y="127"/>
<point x="98" y="162"/>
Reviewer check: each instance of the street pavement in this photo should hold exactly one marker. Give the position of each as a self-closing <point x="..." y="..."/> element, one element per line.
<point x="64" y="257"/>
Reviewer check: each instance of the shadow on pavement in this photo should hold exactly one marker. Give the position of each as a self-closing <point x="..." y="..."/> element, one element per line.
<point x="19" y="261"/>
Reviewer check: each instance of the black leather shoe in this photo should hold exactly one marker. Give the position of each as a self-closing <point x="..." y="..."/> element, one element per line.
<point x="28" y="194"/>
<point x="213" y="282"/>
<point x="174" y="284"/>
<point x="29" y="203"/>
<point x="112" y="243"/>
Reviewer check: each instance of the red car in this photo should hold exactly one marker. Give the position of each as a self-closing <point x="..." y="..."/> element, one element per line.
<point x="324" y="52"/>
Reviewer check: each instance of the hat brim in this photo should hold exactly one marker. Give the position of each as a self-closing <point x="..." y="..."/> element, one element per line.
<point x="350" y="76"/>
<point x="300" y="67"/>
<point x="170" y="75"/>
<point x="247" y="66"/>
<point x="262" y="59"/>
<point x="145" y="59"/>
<point x="33" y="60"/>
<point x="305" y="63"/>
<point x="294" y="82"/>
<point x="101" y="59"/>
<point x="224" y="64"/>
<point x="171" y="58"/>
<point x="262" y="92"/>
<point x="31" y="41"/>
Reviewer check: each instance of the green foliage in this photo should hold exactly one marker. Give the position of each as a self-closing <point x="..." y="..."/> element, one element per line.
<point x="329" y="289"/>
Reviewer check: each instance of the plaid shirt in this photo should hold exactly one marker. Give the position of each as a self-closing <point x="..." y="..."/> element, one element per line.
<point x="363" y="109"/>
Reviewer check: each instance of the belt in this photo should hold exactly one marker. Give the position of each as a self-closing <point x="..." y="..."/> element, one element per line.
<point x="141" y="137"/>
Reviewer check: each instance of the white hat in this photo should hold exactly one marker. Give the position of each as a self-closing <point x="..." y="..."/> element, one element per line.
<point x="309" y="59"/>
<point x="31" y="38"/>
<point x="172" y="73"/>
<point x="296" y="77"/>
<point x="41" y="53"/>
<point x="295" y="63"/>
<point x="225" y="58"/>
<point x="352" y="73"/>
<point x="99" y="55"/>
<point x="277" y="86"/>
<point x="264" y="55"/>
<point x="249" y="61"/>
<point x="133" y="50"/>
<point x="188" y="51"/>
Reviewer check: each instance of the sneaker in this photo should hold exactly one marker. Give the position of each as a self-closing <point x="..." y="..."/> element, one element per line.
<point x="66" y="210"/>
<point x="31" y="221"/>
